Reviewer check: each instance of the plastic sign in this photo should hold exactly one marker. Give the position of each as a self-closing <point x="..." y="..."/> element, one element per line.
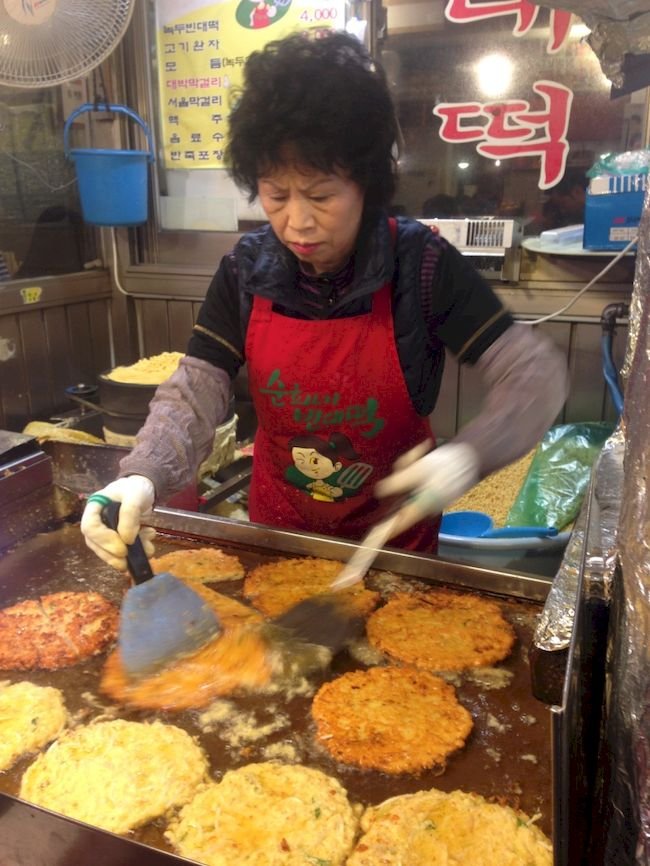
<point x="201" y="55"/>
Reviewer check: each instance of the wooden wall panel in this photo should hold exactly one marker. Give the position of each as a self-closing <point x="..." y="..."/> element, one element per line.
<point x="37" y="372"/>
<point x="59" y="353"/>
<point x="56" y="346"/>
<point x="587" y="389"/>
<point x="81" y="343"/>
<point x="98" y="313"/>
<point x="180" y="315"/>
<point x="154" y="326"/>
<point x="14" y="387"/>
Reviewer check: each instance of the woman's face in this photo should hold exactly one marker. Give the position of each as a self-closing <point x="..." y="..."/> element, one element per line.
<point x="316" y="215"/>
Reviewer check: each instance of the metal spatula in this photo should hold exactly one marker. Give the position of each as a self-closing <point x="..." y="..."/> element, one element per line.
<point x="328" y="619"/>
<point x="161" y="618"/>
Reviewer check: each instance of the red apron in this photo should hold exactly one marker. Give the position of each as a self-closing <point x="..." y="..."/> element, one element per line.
<point x="333" y="414"/>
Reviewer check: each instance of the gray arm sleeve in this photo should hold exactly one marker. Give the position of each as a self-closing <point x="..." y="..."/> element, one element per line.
<point x="179" y="431"/>
<point x="527" y="383"/>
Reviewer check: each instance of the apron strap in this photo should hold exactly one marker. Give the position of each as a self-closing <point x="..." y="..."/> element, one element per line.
<point x="263" y="308"/>
<point x="392" y="227"/>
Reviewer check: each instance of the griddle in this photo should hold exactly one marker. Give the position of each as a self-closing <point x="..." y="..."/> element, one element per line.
<point x="507" y="756"/>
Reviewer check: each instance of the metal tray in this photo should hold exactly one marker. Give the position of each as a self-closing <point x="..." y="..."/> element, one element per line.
<point x="507" y="756"/>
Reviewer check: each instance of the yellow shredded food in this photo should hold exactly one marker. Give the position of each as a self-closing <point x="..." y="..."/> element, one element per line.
<point x="117" y="775"/>
<point x="268" y="814"/>
<point x="30" y="717"/>
<point x="431" y="828"/>
<point x="495" y="494"/>
<point x="147" y="371"/>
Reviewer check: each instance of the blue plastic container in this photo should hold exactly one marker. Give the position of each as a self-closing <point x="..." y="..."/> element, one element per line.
<point x="613" y="211"/>
<point x="113" y="184"/>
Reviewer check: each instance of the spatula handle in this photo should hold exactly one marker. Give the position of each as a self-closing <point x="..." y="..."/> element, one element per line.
<point x="136" y="559"/>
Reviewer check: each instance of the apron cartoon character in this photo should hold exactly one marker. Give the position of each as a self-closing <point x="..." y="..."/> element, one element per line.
<point x="316" y="467"/>
<point x="333" y="414"/>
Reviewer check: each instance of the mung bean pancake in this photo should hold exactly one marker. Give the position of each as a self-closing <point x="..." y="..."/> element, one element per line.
<point x="31" y="716"/>
<point x="277" y="586"/>
<point x="237" y="658"/>
<point x="56" y="630"/>
<point x="206" y="564"/>
<point x="268" y="814"/>
<point x="441" y="631"/>
<point x="117" y="775"/>
<point x="393" y="719"/>
<point x="432" y="828"/>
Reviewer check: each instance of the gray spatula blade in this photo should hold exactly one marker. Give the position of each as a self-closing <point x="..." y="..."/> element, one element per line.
<point x="162" y="619"/>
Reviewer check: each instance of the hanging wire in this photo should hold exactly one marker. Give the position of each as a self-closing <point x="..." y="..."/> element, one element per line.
<point x="581" y="292"/>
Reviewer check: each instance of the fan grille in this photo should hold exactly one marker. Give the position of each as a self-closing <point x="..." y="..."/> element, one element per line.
<point x="71" y="40"/>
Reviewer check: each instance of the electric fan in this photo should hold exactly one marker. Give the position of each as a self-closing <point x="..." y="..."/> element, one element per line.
<point x="47" y="42"/>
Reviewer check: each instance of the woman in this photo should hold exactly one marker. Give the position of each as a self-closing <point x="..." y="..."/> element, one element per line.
<point x="343" y="317"/>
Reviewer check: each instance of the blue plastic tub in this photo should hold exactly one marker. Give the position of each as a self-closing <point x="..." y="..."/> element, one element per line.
<point x="540" y="556"/>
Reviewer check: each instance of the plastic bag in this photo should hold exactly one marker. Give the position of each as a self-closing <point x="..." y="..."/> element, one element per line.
<point x="557" y="480"/>
<point x="628" y="162"/>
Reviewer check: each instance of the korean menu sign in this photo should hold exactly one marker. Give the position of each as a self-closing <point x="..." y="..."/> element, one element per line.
<point x="202" y="48"/>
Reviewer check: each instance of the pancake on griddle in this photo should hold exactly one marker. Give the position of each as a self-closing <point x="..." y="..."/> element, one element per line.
<point x="268" y="814"/>
<point x="207" y="565"/>
<point x="237" y="658"/>
<point x="117" y="775"/>
<point x="31" y="716"/>
<point x="393" y="719"/>
<point x="441" y="631"/>
<point x="277" y="586"/>
<point x="56" y="630"/>
<point x="432" y="828"/>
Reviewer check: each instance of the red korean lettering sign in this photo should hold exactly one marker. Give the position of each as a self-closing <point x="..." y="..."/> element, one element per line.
<point x="466" y="11"/>
<point x="513" y="128"/>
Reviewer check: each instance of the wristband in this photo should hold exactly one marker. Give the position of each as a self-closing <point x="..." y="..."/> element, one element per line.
<point x="99" y="498"/>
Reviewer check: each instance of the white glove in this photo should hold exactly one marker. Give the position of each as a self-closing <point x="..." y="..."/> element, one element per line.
<point x="137" y="494"/>
<point x="433" y="481"/>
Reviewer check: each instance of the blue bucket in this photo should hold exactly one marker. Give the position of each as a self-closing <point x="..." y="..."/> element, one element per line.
<point x="113" y="184"/>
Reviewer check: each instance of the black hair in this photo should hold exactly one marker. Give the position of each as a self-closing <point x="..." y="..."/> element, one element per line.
<point x="338" y="445"/>
<point x="324" y="101"/>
